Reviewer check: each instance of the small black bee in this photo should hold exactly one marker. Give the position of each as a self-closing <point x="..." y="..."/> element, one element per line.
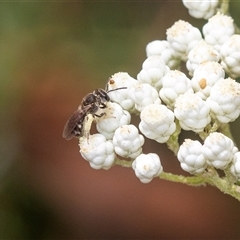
<point x="90" y="104"/>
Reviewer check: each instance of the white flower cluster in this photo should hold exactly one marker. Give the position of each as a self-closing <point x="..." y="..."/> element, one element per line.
<point x="127" y="141"/>
<point x="192" y="112"/>
<point x="201" y="8"/>
<point x="218" y="30"/>
<point x="157" y="122"/>
<point x="147" y="166"/>
<point x="191" y="158"/>
<point x="219" y="42"/>
<point x="217" y="151"/>
<point x="182" y="37"/>
<point x="167" y="100"/>
<point x="98" y="151"/>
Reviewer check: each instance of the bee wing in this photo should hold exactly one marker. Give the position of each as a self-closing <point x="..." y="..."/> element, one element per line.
<point x="76" y="119"/>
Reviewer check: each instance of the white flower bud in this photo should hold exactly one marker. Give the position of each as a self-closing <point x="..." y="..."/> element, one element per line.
<point x="230" y="52"/>
<point x="97" y="151"/>
<point x="218" y="29"/>
<point x="205" y="76"/>
<point x="224" y="100"/>
<point x="147" y="166"/>
<point x="201" y="53"/>
<point x="121" y="96"/>
<point x="235" y="167"/>
<point x="163" y="49"/>
<point x="143" y="94"/>
<point x="157" y="122"/>
<point x="192" y="112"/>
<point x="153" y="69"/>
<point x="127" y="141"/>
<point x="113" y="118"/>
<point x="174" y="83"/>
<point x="182" y="37"/>
<point x="191" y="158"/>
<point x="218" y="150"/>
<point x="201" y="8"/>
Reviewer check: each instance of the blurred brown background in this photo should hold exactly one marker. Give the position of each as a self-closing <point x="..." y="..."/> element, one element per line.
<point x="52" y="54"/>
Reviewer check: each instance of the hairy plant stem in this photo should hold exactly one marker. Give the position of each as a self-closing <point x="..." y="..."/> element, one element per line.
<point x="172" y="142"/>
<point x="123" y="163"/>
<point x="224" y="7"/>
<point x="210" y="177"/>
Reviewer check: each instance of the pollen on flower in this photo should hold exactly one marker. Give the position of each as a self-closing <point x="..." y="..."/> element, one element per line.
<point x="184" y="105"/>
<point x="222" y="19"/>
<point x="153" y="115"/>
<point x="230" y="87"/>
<point x="203" y="83"/>
<point x="180" y="27"/>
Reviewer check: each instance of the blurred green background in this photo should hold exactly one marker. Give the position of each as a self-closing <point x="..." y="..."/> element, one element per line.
<point x="52" y="54"/>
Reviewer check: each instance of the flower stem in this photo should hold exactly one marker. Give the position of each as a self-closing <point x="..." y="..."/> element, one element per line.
<point x="172" y="142"/>
<point x="210" y="177"/>
<point x="224" y="7"/>
<point x="123" y="163"/>
<point x="192" y="181"/>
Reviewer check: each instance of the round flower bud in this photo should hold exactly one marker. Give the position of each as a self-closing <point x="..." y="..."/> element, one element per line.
<point x="218" y="30"/>
<point x="235" y="167"/>
<point x="143" y="94"/>
<point x="191" y="158"/>
<point x="174" y="83"/>
<point x="205" y="76"/>
<point x="157" y="122"/>
<point x="114" y="116"/>
<point x="97" y="151"/>
<point x="201" y="53"/>
<point x="230" y="52"/>
<point x="201" y="8"/>
<point x="153" y="69"/>
<point x="127" y="141"/>
<point x="192" y="112"/>
<point x="224" y="100"/>
<point x="182" y="37"/>
<point x="121" y="96"/>
<point x="218" y="150"/>
<point x="163" y="49"/>
<point x="147" y="166"/>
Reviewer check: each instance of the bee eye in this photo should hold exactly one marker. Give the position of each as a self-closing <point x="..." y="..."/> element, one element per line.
<point x="105" y="96"/>
<point x="102" y="94"/>
<point x="89" y="99"/>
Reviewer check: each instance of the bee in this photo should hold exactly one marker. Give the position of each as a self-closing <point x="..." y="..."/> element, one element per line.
<point x="90" y="104"/>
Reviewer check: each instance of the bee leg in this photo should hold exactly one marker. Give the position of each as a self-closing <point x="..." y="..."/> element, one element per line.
<point x="87" y="126"/>
<point x="99" y="115"/>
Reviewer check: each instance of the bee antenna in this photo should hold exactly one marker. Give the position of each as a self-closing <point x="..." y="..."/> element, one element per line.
<point x="116" y="89"/>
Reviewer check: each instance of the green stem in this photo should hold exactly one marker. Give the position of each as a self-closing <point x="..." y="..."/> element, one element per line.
<point x="210" y="177"/>
<point x="225" y="129"/>
<point x="123" y="163"/>
<point x="224" y="186"/>
<point x="192" y="181"/>
<point x="172" y="142"/>
<point x="224" y="7"/>
<point x="209" y="129"/>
